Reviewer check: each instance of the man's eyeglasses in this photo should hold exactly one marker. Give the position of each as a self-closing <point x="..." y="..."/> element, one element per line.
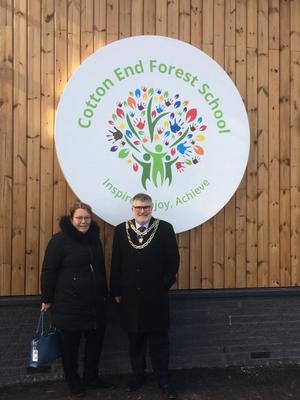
<point x="146" y="208"/>
<point x="83" y="218"/>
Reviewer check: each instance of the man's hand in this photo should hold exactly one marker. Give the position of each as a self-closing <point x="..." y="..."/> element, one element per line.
<point x="118" y="299"/>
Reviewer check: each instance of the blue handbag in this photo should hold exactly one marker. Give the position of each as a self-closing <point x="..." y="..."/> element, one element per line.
<point x="45" y="346"/>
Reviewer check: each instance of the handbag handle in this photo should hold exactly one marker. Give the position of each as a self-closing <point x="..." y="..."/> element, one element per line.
<point x="41" y="320"/>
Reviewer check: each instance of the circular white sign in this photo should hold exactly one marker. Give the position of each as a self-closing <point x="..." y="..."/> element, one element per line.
<point x="154" y="115"/>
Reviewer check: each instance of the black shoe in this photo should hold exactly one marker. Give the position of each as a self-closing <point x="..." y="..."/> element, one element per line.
<point x="134" y="384"/>
<point x="99" y="384"/>
<point x="76" y="389"/>
<point x="168" y="391"/>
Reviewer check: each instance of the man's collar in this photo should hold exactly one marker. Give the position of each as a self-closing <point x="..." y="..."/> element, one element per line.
<point x="137" y="225"/>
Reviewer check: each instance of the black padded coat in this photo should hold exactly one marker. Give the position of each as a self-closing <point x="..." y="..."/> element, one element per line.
<point x="74" y="279"/>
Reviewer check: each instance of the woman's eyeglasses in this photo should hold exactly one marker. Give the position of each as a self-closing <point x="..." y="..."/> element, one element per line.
<point x="83" y="218"/>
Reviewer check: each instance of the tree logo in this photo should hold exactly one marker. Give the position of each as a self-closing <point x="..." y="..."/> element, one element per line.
<point x="157" y="134"/>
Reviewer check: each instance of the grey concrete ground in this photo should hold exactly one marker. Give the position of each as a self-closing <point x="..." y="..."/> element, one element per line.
<point x="235" y="383"/>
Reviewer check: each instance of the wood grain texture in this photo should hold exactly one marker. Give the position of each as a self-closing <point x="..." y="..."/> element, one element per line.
<point x="6" y="147"/>
<point x="254" y="240"/>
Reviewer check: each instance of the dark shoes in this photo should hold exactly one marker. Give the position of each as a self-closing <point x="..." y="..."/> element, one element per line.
<point x="168" y="391"/>
<point x="76" y="389"/>
<point x="134" y="384"/>
<point x="99" y="384"/>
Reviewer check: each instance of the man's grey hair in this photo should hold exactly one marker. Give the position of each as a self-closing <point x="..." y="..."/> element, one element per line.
<point x="142" y="197"/>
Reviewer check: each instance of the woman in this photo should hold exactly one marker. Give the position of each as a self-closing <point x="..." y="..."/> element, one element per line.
<point x="74" y="287"/>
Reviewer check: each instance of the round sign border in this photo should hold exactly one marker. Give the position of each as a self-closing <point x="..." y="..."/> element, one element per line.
<point x="127" y="214"/>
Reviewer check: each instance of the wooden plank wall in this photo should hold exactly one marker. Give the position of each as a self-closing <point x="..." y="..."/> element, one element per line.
<point x="254" y="240"/>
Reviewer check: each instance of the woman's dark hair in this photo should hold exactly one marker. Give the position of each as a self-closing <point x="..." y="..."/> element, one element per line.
<point x="79" y="205"/>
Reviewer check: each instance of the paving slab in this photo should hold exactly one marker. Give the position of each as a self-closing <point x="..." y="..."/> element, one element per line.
<point x="234" y="383"/>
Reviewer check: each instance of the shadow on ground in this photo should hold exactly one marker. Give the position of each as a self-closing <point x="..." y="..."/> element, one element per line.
<point x="236" y="383"/>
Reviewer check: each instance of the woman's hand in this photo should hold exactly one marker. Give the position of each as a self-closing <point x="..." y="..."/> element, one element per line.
<point x="45" y="306"/>
<point x="118" y="299"/>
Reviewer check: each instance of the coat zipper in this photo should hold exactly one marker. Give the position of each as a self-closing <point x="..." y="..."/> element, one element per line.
<point x="93" y="272"/>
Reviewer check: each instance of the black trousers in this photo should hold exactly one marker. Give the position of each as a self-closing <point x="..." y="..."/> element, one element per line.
<point x="92" y="351"/>
<point x="159" y="354"/>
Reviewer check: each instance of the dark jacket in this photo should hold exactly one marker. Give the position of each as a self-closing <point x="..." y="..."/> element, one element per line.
<point x="143" y="277"/>
<point x="74" y="279"/>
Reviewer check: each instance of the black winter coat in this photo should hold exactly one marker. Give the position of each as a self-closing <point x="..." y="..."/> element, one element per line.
<point x="143" y="277"/>
<point x="74" y="279"/>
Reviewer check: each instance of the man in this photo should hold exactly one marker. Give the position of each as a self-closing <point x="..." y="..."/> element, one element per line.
<point x="145" y="260"/>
